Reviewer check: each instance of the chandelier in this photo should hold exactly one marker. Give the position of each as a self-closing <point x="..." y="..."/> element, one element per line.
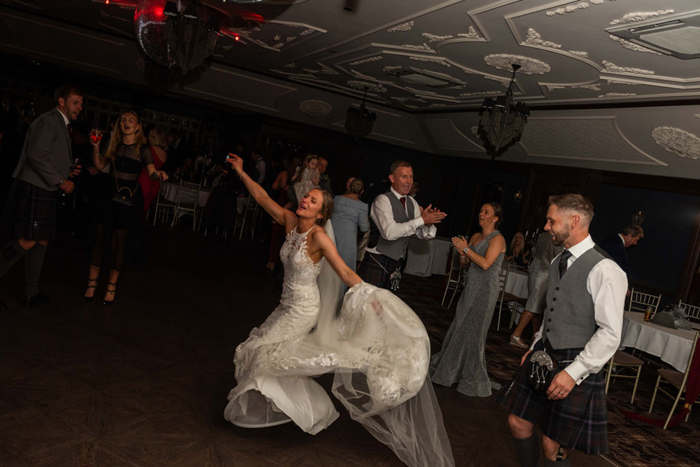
<point x="502" y="122"/>
<point x="359" y="122"/>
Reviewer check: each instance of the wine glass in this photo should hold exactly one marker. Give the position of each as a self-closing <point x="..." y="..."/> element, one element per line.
<point x="95" y="135"/>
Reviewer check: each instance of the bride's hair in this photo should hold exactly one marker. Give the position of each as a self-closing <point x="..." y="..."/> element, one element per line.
<point x="326" y="208"/>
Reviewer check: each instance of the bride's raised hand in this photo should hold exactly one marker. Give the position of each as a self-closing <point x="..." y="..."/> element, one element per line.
<point x="235" y="162"/>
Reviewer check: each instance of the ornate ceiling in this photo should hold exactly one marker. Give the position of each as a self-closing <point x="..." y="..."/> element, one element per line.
<point x="598" y="100"/>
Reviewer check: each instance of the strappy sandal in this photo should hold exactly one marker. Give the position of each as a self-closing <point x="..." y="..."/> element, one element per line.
<point x="93" y="283"/>
<point x="106" y="302"/>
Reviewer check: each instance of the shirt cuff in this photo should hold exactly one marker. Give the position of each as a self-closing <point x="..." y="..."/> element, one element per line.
<point x="419" y="222"/>
<point x="577" y="371"/>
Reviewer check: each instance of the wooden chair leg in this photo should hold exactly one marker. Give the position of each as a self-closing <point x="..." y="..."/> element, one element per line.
<point x="653" y="397"/>
<point x="675" y="403"/>
<point x="609" y="375"/>
<point x="636" y="382"/>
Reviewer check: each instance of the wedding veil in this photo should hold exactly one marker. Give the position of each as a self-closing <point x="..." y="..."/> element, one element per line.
<point x="382" y="379"/>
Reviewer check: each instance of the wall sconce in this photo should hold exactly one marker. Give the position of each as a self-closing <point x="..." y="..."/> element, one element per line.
<point x="638" y="217"/>
<point x="518" y="197"/>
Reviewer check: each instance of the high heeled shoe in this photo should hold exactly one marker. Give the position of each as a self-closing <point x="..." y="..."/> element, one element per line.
<point x="106" y="302"/>
<point x="94" y="284"/>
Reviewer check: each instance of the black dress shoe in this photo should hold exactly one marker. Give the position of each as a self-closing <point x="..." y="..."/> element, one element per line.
<point x="34" y="300"/>
<point x="3" y="305"/>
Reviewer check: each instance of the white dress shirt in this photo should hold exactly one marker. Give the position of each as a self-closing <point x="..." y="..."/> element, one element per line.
<point x="389" y="229"/>
<point x="607" y="284"/>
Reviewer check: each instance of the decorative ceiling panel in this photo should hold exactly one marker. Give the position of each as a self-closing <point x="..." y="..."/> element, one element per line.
<point x="583" y="139"/>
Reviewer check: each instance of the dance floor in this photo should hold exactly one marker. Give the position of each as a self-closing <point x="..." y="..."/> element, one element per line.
<point x="144" y="382"/>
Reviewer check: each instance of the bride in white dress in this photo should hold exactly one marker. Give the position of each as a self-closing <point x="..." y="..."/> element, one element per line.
<point x="376" y="346"/>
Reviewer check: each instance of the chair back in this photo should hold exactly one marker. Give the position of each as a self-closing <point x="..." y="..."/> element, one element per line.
<point x="692" y="312"/>
<point x="503" y="277"/>
<point x="640" y="301"/>
<point x="191" y="196"/>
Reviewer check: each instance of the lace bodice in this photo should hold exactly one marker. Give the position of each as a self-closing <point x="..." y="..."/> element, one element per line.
<point x="299" y="269"/>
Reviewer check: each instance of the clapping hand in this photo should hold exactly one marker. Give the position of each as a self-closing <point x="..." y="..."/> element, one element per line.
<point x="460" y="243"/>
<point x="432" y="215"/>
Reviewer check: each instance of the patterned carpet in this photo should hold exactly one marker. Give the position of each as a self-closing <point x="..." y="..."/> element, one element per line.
<point x="632" y="443"/>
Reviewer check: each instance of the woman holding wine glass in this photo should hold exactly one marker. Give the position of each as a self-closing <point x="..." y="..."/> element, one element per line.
<point x="121" y="206"/>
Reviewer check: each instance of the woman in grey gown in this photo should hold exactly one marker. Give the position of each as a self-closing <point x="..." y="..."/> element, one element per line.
<point x="462" y="358"/>
<point x="349" y="215"/>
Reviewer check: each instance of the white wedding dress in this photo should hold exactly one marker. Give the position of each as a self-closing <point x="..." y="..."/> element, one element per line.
<point x="375" y="344"/>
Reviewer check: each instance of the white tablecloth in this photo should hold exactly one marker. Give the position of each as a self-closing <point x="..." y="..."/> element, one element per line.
<point x="427" y="257"/>
<point x="670" y="345"/>
<point x="517" y="283"/>
<point x="171" y="190"/>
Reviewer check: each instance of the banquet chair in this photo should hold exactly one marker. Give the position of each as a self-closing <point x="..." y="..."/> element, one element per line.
<point x="678" y="380"/>
<point x="617" y="366"/>
<point x="640" y="301"/>
<point x="454" y="276"/>
<point x="163" y="206"/>
<point x="692" y="312"/>
<point x="247" y="219"/>
<point x="188" y="203"/>
<point x="505" y="297"/>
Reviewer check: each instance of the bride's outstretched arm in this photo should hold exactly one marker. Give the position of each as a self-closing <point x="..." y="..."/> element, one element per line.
<point x="278" y="213"/>
<point x="328" y="250"/>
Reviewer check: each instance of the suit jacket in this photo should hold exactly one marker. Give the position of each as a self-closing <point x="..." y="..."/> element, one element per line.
<point x="46" y="157"/>
<point x="617" y="251"/>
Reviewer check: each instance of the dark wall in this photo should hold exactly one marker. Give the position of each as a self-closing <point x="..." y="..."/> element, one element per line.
<point x="656" y="262"/>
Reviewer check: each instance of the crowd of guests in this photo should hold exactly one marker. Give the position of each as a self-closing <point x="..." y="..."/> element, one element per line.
<point x="121" y="175"/>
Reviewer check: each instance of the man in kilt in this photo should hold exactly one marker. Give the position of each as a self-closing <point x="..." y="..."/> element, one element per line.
<point x="396" y="216"/>
<point x="43" y="171"/>
<point x="581" y="329"/>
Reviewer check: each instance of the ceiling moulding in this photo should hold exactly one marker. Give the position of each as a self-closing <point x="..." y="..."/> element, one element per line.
<point x="225" y="85"/>
<point x="405" y="27"/>
<point x="280" y="34"/>
<point x="535" y="41"/>
<point x="582" y="139"/>
<point x="639" y="17"/>
<point x="448" y="137"/>
<point x="315" y="108"/>
<point x="671" y="34"/>
<point x="612" y="68"/>
<point x="632" y="46"/>
<point x="572" y="8"/>
<point x="528" y="66"/>
<point x="677" y="141"/>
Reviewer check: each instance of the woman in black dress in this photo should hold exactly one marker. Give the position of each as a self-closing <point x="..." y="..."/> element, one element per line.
<point x="122" y="204"/>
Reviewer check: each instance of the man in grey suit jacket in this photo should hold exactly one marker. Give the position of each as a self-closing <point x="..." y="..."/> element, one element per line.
<point x="43" y="171"/>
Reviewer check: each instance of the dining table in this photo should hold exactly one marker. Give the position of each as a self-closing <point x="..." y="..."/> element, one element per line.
<point x="671" y="345"/>
<point x="517" y="282"/>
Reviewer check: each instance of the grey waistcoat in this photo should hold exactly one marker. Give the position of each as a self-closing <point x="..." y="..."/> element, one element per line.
<point x="395" y="249"/>
<point x="569" y="318"/>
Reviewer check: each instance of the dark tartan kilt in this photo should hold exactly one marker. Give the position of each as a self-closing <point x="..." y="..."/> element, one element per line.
<point x="30" y="212"/>
<point x="580" y="421"/>
<point x="371" y="272"/>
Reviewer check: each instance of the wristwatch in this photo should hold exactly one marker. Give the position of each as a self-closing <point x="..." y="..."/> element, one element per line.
<point x="62" y="182"/>
<point x="466" y="249"/>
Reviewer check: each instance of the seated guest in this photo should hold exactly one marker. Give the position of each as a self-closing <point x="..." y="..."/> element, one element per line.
<point x="516" y="251"/>
<point x="349" y="215"/>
